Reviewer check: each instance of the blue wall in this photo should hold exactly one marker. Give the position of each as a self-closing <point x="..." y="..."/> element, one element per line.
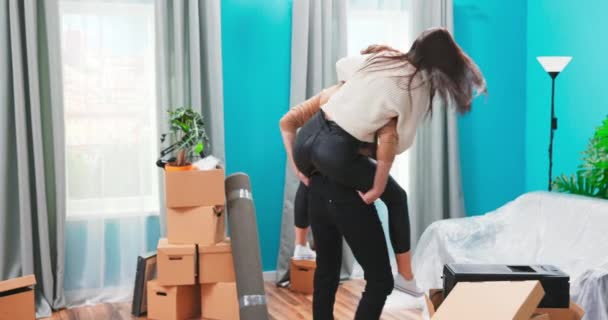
<point x="492" y="145"/>
<point x="256" y="49"/>
<point x="573" y="28"/>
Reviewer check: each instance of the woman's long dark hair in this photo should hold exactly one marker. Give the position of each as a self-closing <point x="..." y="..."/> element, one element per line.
<point x="453" y="75"/>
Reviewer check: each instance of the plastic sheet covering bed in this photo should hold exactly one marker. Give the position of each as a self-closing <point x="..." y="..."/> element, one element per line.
<point x="570" y="232"/>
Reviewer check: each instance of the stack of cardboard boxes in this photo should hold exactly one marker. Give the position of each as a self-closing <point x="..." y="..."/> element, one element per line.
<point x="194" y="263"/>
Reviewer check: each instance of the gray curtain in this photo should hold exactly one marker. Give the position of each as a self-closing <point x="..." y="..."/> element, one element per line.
<point x="436" y="186"/>
<point x="32" y="195"/>
<point x="318" y="40"/>
<point x="189" y="67"/>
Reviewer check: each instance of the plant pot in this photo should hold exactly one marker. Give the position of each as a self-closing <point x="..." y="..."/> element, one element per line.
<point x="173" y="168"/>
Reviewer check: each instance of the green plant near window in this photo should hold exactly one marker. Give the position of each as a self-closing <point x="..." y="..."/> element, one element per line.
<point x="188" y="135"/>
<point x="591" y="179"/>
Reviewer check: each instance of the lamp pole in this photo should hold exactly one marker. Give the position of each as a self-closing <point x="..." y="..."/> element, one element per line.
<point x="553" y="128"/>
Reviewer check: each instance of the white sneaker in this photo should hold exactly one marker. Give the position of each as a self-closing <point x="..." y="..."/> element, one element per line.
<point x="408" y="286"/>
<point x="304" y="253"/>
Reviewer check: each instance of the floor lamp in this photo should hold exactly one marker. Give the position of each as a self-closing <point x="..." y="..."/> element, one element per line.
<point x="553" y="66"/>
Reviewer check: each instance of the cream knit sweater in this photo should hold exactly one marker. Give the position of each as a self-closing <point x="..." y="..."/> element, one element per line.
<point x="370" y="99"/>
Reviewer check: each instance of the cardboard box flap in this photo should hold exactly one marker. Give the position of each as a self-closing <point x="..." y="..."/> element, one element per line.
<point x="574" y="312"/>
<point x="220" y="247"/>
<point x="17" y="283"/>
<point x="515" y="300"/>
<point x="429" y="305"/>
<point x="175" y="249"/>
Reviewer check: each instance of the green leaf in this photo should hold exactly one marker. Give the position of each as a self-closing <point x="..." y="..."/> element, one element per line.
<point x="198" y="148"/>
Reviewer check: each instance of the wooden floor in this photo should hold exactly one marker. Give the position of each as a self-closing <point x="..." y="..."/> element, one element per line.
<point x="282" y="305"/>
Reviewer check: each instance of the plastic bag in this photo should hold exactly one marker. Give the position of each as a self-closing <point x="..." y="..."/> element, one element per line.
<point x="569" y="232"/>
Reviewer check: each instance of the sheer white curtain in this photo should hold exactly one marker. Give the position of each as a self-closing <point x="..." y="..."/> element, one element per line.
<point x="110" y="113"/>
<point x="382" y="22"/>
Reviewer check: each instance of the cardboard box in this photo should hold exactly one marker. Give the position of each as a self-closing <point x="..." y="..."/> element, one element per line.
<point x="219" y="301"/>
<point x="436" y="297"/>
<point x="173" y="302"/>
<point x="215" y="263"/>
<point x="540" y="316"/>
<point x="17" y="298"/>
<point x="500" y="300"/>
<point x="200" y="225"/>
<point x="176" y="263"/>
<point x="301" y="275"/>
<point x="194" y="188"/>
<point x="429" y="305"/>
<point x="574" y="312"/>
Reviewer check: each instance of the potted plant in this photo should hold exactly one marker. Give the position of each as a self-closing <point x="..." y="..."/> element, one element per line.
<point x="592" y="177"/>
<point x="188" y="136"/>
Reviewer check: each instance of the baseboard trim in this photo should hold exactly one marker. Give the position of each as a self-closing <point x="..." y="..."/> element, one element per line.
<point x="270" y="276"/>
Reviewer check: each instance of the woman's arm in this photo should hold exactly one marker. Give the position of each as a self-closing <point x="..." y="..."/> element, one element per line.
<point x="288" y="140"/>
<point x="290" y="123"/>
<point x="385" y="154"/>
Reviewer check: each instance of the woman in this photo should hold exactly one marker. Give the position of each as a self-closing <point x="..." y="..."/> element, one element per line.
<point x="391" y="87"/>
<point x="345" y="68"/>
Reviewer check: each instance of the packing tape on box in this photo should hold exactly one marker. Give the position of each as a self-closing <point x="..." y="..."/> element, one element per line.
<point x="252" y="300"/>
<point x="239" y="194"/>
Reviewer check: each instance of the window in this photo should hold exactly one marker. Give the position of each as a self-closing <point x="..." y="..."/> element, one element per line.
<point x="108" y="65"/>
<point x="381" y="22"/>
<point x="378" y="22"/>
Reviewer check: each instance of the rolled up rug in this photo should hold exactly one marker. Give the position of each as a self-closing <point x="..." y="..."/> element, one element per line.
<point x="245" y="248"/>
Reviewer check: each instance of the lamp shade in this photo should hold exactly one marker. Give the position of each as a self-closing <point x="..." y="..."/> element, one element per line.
<point x="554" y="64"/>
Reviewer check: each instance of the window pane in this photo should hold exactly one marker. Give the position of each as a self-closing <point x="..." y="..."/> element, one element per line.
<point x="110" y="106"/>
<point x="378" y="22"/>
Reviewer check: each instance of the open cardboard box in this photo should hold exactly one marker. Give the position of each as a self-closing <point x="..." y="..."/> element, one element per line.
<point x="195" y="188"/>
<point x="497" y="300"/>
<point x="17" y="298"/>
<point x="574" y="312"/>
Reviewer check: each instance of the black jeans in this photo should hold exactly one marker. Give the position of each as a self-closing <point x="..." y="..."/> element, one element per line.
<point x="337" y="211"/>
<point x="322" y="146"/>
<point x="300" y="207"/>
<point x="331" y="157"/>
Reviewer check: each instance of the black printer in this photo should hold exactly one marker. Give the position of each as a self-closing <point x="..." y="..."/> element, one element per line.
<point x="555" y="282"/>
